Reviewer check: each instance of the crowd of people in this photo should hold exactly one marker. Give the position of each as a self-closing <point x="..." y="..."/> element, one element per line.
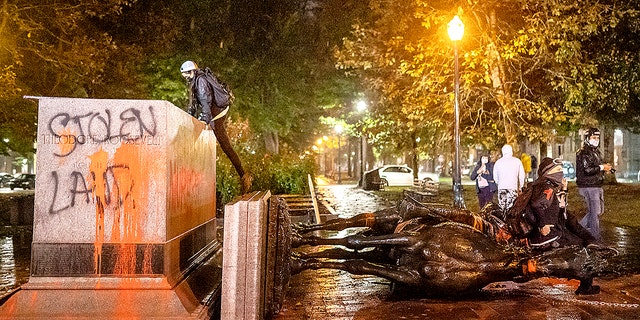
<point x="543" y="199"/>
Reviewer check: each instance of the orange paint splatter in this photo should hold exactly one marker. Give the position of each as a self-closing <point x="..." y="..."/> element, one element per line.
<point x="97" y="183"/>
<point x="130" y="166"/>
<point x="120" y="189"/>
<point x="67" y="140"/>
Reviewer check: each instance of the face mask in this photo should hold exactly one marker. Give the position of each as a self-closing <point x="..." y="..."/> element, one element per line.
<point x="556" y="177"/>
<point x="594" y="142"/>
<point x="485" y="160"/>
<point x="188" y="75"/>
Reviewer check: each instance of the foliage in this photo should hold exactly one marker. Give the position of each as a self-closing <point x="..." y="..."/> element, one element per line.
<point x="281" y="174"/>
<point x="56" y="48"/>
<point x="590" y="51"/>
<point x="527" y="67"/>
<point x="284" y="174"/>
<point x="406" y="58"/>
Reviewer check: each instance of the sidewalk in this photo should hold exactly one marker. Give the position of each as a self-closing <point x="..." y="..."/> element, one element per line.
<point x="334" y="294"/>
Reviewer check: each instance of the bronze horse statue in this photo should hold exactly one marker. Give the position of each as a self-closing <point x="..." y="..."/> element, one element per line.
<point x="443" y="251"/>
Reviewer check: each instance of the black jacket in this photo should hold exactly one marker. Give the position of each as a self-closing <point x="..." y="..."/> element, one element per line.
<point x="588" y="172"/>
<point x="202" y="98"/>
<point x="488" y="176"/>
<point x="546" y="210"/>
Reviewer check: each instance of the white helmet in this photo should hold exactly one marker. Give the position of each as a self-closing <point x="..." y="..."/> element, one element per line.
<point x="188" y="66"/>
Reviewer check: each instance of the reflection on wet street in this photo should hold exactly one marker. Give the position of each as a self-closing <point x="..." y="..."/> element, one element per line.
<point x="627" y="241"/>
<point x="15" y="257"/>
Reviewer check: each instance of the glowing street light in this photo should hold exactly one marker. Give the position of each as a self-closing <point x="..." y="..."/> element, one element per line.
<point x="456" y="30"/>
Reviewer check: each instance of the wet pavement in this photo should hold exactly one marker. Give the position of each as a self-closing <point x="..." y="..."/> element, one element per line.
<point x="335" y="294"/>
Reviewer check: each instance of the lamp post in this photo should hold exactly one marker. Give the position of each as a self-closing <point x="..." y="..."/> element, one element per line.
<point x="361" y="107"/>
<point x="338" y="129"/>
<point x="456" y="30"/>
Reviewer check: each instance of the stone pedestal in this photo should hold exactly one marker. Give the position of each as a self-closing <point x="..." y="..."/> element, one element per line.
<point x="124" y="212"/>
<point x="257" y="249"/>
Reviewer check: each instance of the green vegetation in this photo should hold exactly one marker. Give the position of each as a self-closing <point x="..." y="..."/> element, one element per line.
<point x="280" y="174"/>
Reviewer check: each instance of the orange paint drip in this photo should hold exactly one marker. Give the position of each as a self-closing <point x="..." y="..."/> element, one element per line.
<point x="146" y="260"/>
<point x="120" y="189"/>
<point x="131" y="204"/>
<point x="97" y="182"/>
<point x="532" y="267"/>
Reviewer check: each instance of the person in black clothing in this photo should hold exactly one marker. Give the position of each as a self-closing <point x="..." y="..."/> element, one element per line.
<point x="486" y="188"/>
<point x="590" y="171"/>
<point x="201" y="98"/>
<point x="534" y="167"/>
<point x="554" y="226"/>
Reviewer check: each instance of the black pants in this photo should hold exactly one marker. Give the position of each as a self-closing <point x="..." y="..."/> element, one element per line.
<point x="220" y="131"/>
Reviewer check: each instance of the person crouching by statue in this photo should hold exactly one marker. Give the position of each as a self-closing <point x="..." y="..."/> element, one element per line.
<point x="486" y="187"/>
<point x="554" y="226"/>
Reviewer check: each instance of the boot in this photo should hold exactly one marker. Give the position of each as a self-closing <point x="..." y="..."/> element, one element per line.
<point x="586" y="287"/>
<point x="245" y="184"/>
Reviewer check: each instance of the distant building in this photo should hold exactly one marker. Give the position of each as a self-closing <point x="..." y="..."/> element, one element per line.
<point x="626" y="158"/>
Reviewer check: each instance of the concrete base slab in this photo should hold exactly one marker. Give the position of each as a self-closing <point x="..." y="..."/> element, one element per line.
<point x="98" y="304"/>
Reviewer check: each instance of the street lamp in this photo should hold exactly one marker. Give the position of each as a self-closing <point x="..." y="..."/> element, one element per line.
<point x="338" y="129"/>
<point x="456" y="30"/>
<point x="361" y="107"/>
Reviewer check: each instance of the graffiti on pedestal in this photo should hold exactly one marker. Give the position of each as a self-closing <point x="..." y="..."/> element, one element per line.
<point x="130" y="126"/>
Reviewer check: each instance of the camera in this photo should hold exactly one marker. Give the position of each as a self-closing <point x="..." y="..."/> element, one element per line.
<point x="612" y="170"/>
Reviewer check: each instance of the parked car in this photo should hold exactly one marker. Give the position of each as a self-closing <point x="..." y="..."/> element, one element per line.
<point x="389" y="175"/>
<point x="396" y="175"/>
<point x="568" y="170"/>
<point x="23" y="181"/>
<point x="4" y="179"/>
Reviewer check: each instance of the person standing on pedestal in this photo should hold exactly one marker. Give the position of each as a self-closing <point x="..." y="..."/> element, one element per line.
<point x="202" y="98"/>
<point x="590" y="171"/>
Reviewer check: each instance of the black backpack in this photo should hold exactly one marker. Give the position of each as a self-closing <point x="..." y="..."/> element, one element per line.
<point x="221" y="92"/>
<point x="520" y="219"/>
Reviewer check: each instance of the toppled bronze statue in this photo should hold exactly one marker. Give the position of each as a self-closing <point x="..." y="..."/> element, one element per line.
<point x="443" y="251"/>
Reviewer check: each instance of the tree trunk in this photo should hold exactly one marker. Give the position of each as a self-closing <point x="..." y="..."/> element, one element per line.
<point x="502" y="88"/>
<point x="271" y="142"/>
<point x="349" y="167"/>
<point x="414" y="156"/>
<point x="606" y="139"/>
